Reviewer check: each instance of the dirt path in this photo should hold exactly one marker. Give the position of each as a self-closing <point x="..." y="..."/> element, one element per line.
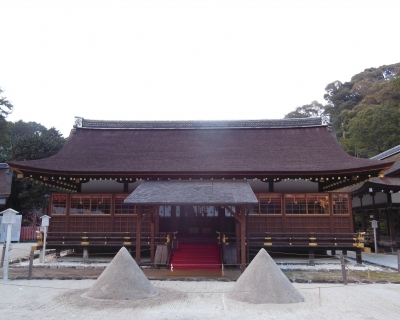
<point x="56" y="299"/>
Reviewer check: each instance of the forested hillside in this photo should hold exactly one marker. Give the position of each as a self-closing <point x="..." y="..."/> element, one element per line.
<point x="21" y="141"/>
<point x="365" y="111"/>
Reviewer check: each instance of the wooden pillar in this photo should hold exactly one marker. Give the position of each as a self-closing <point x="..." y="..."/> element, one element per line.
<point x="271" y="185"/>
<point x="68" y="209"/>
<point x="376" y="217"/>
<point x="392" y="230"/>
<point x="362" y="212"/>
<point x="112" y="215"/>
<point x="352" y="219"/>
<point x="152" y="220"/>
<point x="138" y="233"/>
<point x="243" y="238"/>
<point x="358" y="256"/>
<point x="363" y="221"/>
<point x="237" y="227"/>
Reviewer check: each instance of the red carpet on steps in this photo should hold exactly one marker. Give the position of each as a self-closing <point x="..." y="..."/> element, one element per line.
<point x="194" y="256"/>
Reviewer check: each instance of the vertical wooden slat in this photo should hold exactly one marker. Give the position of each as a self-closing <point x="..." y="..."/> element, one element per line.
<point x="331" y="222"/>
<point x="237" y="230"/>
<point x="112" y="213"/>
<point x="243" y="237"/>
<point x="152" y="218"/>
<point x="67" y="213"/>
<point x="138" y="233"/>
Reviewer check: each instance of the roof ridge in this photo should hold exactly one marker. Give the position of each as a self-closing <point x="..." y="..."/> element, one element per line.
<point x="202" y="124"/>
<point x="387" y="153"/>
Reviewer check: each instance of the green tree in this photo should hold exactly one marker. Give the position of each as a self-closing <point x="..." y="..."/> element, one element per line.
<point x="313" y="109"/>
<point x="30" y="141"/>
<point x="374" y="130"/>
<point x="5" y="109"/>
<point x="362" y="87"/>
<point x="5" y="106"/>
<point x="38" y="145"/>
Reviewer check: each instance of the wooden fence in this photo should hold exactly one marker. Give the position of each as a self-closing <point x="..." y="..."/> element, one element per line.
<point x="28" y="233"/>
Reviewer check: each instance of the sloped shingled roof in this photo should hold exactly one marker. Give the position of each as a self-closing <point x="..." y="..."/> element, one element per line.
<point x="262" y="146"/>
<point x="387" y="153"/>
<point x="193" y="193"/>
<point x="384" y="183"/>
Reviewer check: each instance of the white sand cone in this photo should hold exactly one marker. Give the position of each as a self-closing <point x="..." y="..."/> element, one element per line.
<point x="122" y="280"/>
<point x="264" y="282"/>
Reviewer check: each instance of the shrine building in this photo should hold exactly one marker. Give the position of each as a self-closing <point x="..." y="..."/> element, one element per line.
<point x="239" y="185"/>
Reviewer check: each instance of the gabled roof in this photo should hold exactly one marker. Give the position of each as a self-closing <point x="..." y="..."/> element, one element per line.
<point x="193" y="193"/>
<point x="289" y="146"/>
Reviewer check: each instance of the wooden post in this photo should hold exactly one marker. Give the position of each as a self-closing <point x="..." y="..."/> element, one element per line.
<point x="2" y="255"/>
<point x="343" y="269"/>
<point x="68" y="209"/>
<point x="363" y="222"/>
<point x="138" y="233"/>
<point x="331" y="218"/>
<point x="362" y="213"/>
<point x="112" y="214"/>
<point x="358" y="256"/>
<point x="398" y="260"/>
<point x="152" y="252"/>
<point x="237" y="227"/>
<point x="376" y="217"/>
<point x="243" y="238"/>
<point x="31" y="256"/>
<point x="311" y="257"/>
<point x="391" y="226"/>
<point x="247" y="236"/>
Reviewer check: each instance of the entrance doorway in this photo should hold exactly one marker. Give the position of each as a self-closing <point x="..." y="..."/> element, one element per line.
<point x="196" y="221"/>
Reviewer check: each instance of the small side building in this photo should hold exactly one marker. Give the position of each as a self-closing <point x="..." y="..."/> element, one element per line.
<point x="378" y="198"/>
<point x="5" y="183"/>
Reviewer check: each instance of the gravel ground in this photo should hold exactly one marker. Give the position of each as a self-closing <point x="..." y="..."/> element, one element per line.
<point x="65" y="299"/>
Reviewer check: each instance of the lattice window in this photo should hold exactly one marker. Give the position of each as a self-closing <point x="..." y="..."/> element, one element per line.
<point x="100" y="204"/>
<point x="80" y="204"/>
<point x="270" y="203"/>
<point x="59" y="204"/>
<point x="87" y="204"/>
<point x="123" y="208"/>
<point x="318" y="203"/>
<point x="295" y="204"/>
<point x="340" y="203"/>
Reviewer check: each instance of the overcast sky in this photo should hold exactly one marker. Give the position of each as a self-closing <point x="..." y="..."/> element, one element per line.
<point x="186" y="59"/>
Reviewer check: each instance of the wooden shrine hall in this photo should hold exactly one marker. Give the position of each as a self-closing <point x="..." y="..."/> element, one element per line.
<point x="238" y="185"/>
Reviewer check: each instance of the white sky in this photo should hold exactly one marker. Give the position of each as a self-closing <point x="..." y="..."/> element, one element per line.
<point x="185" y="59"/>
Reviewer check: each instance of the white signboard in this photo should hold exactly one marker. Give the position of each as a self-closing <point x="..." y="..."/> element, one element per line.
<point x="15" y="231"/>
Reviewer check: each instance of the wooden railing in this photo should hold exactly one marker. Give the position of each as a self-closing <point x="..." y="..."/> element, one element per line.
<point x="300" y="240"/>
<point x="100" y="239"/>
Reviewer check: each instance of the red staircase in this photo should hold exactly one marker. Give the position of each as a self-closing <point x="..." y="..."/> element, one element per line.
<point x="194" y="256"/>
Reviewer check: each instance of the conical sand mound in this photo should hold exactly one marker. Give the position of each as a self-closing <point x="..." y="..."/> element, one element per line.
<point x="122" y="280"/>
<point x="264" y="282"/>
